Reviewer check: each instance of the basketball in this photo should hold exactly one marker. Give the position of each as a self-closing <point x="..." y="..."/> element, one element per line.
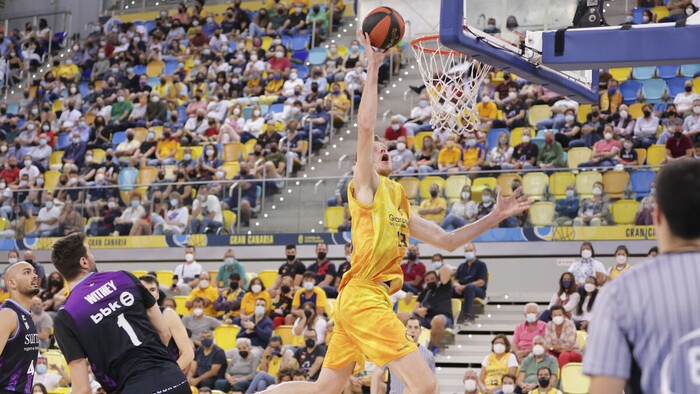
<point x="385" y="27"/>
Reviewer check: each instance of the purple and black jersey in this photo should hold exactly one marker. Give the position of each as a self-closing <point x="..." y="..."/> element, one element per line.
<point x="104" y="319"/>
<point x="173" y="350"/>
<point x="18" y="358"/>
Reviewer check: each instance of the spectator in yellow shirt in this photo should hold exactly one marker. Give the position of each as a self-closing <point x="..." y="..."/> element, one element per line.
<point x="68" y="71"/>
<point x="448" y="159"/>
<point x="340" y="101"/>
<point x="274" y="85"/>
<point x="473" y="155"/>
<point x="434" y="208"/>
<point x="253" y="87"/>
<point x="166" y="149"/>
<point x="207" y="292"/>
<point x="488" y="111"/>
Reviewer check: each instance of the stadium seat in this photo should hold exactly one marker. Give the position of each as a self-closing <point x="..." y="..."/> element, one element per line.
<point x="505" y="181"/>
<point x="51" y="179"/>
<point x="180" y="307"/>
<point x="317" y="56"/>
<point x="629" y="90"/>
<point x="165" y="277"/>
<point x="232" y="151"/>
<point x="643" y="72"/>
<point x="285" y="332"/>
<point x="63" y="141"/>
<point x="140" y="134"/>
<point x="268" y="277"/>
<point x="139" y="69"/>
<point x="55" y="158"/>
<point x="118" y="137"/>
<point x="620" y="74"/>
<point x="3" y="223"/>
<point x="230" y="168"/>
<point x="408" y="308"/>
<point x="154" y="68"/>
<point x="229" y="220"/>
<point x="538" y="112"/>
<point x="667" y="72"/>
<point x="58" y="104"/>
<point x="333" y="218"/>
<point x="542" y="213"/>
<point x="429" y="180"/>
<point x="676" y="86"/>
<point x="689" y="70"/>
<point x="516" y="136"/>
<point x="578" y="155"/>
<point x="585" y="182"/>
<point x="655" y="154"/>
<point x="615" y="183"/>
<point x="535" y="183"/>
<point x="410" y="186"/>
<point x="641" y="155"/>
<point x="196" y="152"/>
<point x="660" y="11"/>
<point x="583" y="111"/>
<point x="454" y="185"/>
<point x="301" y="56"/>
<point x="225" y="336"/>
<point x="640" y="182"/>
<point x="56" y="357"/>
<point x="479" y="184"/>
<point x="581" y="337"/>
<point x="636" y="110"/>
<point x="139" y="273"/>
<point x="12" y="108"/>
<point x="170" y="67"/>
<point x="492" y="137"/>
<point x="147" y="175"/>
<point x="299" y="42"/>
<point x="250" y="276"/>
<point x="420" y="137"/>
<point x="653" y="89"/>
<point x="127" y="176"/>
<point x="624" y="211"/>
<point x="573" y="381"/>
<point x="456" y="307"/>
<point x="696" y="85"/>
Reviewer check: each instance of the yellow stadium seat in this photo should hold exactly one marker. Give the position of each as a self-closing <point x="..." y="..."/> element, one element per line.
<point x="583" y="111"/>
<point x="180" y="307"/>
<point x="408" y="308"/>
<point x="585" y="181"/>
<point x="615" y="182"/>
<point x="98" y="155"/>
<point x="696" y="85"/>
<point x="576" y="156"/>
<point x="154" y="68"/>
<point x="581" y="337"/>
<point x="542" y="213"/>
<point x="56" y="357"/>
<point x="196" y="152"/>
<point x="479" y="184"/>
<point x="268" y="277"/>
<point x="535" y="183"/>
<point x="230" y="218"/>
<point x="429" y="180"/>
<point x="165" y="277"/>
<point x="60" y="390"/>
<point x="538" y="112"/>
<point x="516" y="136"/>
<point x="624" y="211"/>
<point x="139" y="273"/>
<point x="230" y="168"/>
<point x="298" y="340"/>
<point x="573" y="381"/>
<point x="454" y="185"/>
<point x="409" y="141"/>
<point x="456" y="307"/>
<point x="655" y="154"/>
<point x="250" y="276"/>
<point x="620" y="74"/>
<point x="330" y="308"/>
<point x="169" y="172"/>
<point x="140" y="134"/>
<point x="51" y="179"/>
<point x="660" y="11"/>
<point x="249" y="146"/>
<point x="419" y="139"/>
<point x="334" y="217"/>
<point x="410" y="186"/>
<point x="147" y="175"/>
<point x="506" y="183"/>
<point x="3" y="223"/>
<point x="641" y="155"/>
<point x="558" y="182"/>
<point x="55" y="158"/>
<point x="636" y="110"/>
<point x="225" y="336"/>
<point x="232" y="151"/>
<point x="58" y="104"/>
<point x="424" y="336"/>
<point x="285" y="332"/>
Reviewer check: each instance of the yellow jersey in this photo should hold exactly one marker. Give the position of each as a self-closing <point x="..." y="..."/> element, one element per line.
<point x="379" y="235"/>
<point x="615" y="272"/>
<point x="495" y="369"/>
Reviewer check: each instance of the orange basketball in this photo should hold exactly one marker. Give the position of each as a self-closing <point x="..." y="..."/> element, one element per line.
<point x="385" y="27"/>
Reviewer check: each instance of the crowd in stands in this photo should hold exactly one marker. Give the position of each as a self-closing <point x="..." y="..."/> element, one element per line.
<point x="247" y="336"/>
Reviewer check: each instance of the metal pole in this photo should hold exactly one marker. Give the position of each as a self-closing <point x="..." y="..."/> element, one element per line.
<point x="310" y="142"/>
<point x="332" y="118"/>
<point x="391" y="63"/>
<point x="238" y="217"/>
<point x="143" y="4"/>
<point x="313" y="33"/>
<point x="330" y="22"/>
<point x="262" y="199"/>
<point x="50" y="42"/>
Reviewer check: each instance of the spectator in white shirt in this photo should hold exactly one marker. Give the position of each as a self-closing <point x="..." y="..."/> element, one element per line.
<point x="291" y="83"/>
<point x="197" y="125"/>
<point x="132" y="222"/>
<point x="254" y="65"/>
<point x="218" y="40"/>
<point x="419" y="119"/>
<point x="691" y="124"/>
<point x="218" y="108"/>
<point x="645" y="128"/>
<point x="175" y="219"/>
<point x="684" y="101"/>
<point x="29" y="168"/>
<point x="210" y="208"/>
<point x="70" y="117"/>
<point x="50" y="380"/>
<point x="47" y="220"/>
<point x="355" y="82"/>
<point x="188" y="272"/>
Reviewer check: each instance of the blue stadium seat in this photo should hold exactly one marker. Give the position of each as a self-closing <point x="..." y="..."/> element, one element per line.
<point x="87" y="74"/>
<point x="643" y="72"/>
<point x="232" y="45"/>
<point x="653" y="89"/>
<point x="638" y="13"/>
<point x="492" y="137"/>
<point x="317" y="56"/>
<point x="661" y="107"/>
<point x="302" y="70"/>
<point x="286" y="40"/>
<point x="299" y="42"/>
<point x="139" y="69"/>
<point x="170" y="67"/>
<point x="181" y="114"/>
<point x="667" y="72"/>
<point x="247" y="111"/>
<point x="153" y="81"/>
<point x="149" y="25"/>
<point x="63" y="141"/>
<point x="302" y="56"/>
<point x="118" y="137"/>
<point x="276" y="108"/>
<point x="689" y="70"/>
<point x="640" y="182"/>
<point x="264" y="108"/>
<point x="83" y="87"/>
<point x="12" y="108"/>
<point x="629" y="90"/>
<point x="128" y="176"/>
<point x="675" y="86"/>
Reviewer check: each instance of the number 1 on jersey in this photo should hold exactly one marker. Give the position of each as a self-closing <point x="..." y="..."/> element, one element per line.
<point x="121" y="322"/>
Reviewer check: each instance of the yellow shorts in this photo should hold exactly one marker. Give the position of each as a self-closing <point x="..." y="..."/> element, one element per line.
<point x="365" y="324"/>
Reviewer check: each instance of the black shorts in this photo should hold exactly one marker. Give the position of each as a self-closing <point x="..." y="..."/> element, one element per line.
<point x="167" y="379"/>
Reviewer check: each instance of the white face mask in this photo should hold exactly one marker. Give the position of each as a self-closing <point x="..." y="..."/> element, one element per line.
<point x="465" y="195"/>
<point x="696" y="110"/>
<point x="558" y="320"/>
<point x="569" y="118"/>
<point x="621" y="259"/>
<point x="645" y="19"/>
<point x="597" y="191"/>
<point x="237" y="111"/>
<point x="538" y="350"/>
<point x="499" y="348"/>
<point x="401" y="146"/>
<point x="279" y="54"/>
<point x="569" y="193"/>
<point x="508" y="388"/>
<point x="512" y="95"/>
<point x="623" y="114"/>
<point x="254" y="58"/>
<point x="470" y="385"/>
<point x="308" y="286"/>
<point x="256" y="112"/>
<point x="526" y="139"/>
<point x="203" y="283"/>
<point x="259" y="310"/>
<point x="486" y="99"/>
<point x="189" y="257"/>
<point x="256" y="288"/>
<point x="586" y="253"/>
<point x="628" y="145"/>
<point x="198" y="311"/>
<point x="395" y="126"/>
<point x="608" y="136"/>
<point x="589" y="287"/>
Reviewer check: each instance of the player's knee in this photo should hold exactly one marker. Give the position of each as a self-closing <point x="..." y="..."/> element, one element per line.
<point x="426" y="385"/>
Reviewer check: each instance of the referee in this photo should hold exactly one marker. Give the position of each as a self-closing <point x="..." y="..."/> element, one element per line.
<point x="645" y="330"/>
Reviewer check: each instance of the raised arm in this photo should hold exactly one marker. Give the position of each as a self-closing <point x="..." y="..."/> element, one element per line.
<point x="366" y="179"/>
<point x="158" y="321"/>
<point x="429" y="232"/>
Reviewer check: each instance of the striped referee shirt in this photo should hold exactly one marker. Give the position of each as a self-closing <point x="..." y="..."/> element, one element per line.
<point x="646" y="327"/>
<point x="397" y="386"/>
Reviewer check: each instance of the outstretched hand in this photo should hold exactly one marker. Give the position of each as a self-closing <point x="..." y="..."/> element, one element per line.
<point x="506" y="207"/>
<point x="373" y="57"/>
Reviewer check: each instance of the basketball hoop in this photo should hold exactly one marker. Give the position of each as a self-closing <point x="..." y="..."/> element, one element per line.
<point x="452" y="82"/>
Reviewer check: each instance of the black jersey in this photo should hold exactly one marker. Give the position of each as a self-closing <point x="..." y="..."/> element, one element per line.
<point x="104" y="319"/>
<point x="18" y="358"/>
<point x="173" y="350"/>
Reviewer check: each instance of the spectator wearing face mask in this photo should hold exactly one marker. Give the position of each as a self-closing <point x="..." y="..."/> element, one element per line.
<point x="499" y="367"/>
<point x="551" y="155"/>
<point x="433" y="307"/>
<point x="231" y="266"/>
<point x="486" y="205"/>
<point x="156" y="111"/>
<point x="393" y="132"/>
<point x="324" y="269"/>
<point x="46" y="221"/>
<point x="419" y="119"/>
<point x="207" y="293"/>
<point x="472" y="278"/>
<point x="560" y="336"/>
<point x="242" y="367"/>
<point x="471" y="382"/>
<point x="256" y="290"/>
<point x="645" y="127"/>
<point x="685" y="101"/>
<point x="104" y="224"/>
<point x="433" y="208"/>
<point x="209" y="363"/>
<point x="309" y="293"/>
<point x="355" y="80"/>
<point x="491" y="27"/>
<point x="209" y="207"/>
<point x="282" y="304"/>
<point x="248" y="194"/>
<point x="132" y="221"/>
<point x="198" y="322"/>
<point x="488" y="111"/>
<point x="526" y="331"/>
<point x="605" y="152"/>
<point x="679" y="145"/>
<point x="532" y="377"/>
<point x="401" y="157"/>
<point x="229" y="301"/>
<point x="587" y="266"/>
<point x="309" y="320"/>
<point x="593" y="211"/>
<point x="474" y="154"/>
<point x="50" y="380"/>
<point x="691" y="123"/>
<point x="567" y="207"/>
<point x="582" y="314"/>
<point x="592" y="129"/>
<point x="413" y="270"/>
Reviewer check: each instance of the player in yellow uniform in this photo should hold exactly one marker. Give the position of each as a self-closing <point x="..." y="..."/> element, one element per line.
<point x="365" y="324"/>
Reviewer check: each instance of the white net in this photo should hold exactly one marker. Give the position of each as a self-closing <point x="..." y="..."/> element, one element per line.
<point x="452" y="82"/>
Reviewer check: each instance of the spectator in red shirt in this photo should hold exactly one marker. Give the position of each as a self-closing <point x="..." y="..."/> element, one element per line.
<point x="678" y="146"/>
<point x="503" y="88"/>
<point x="11" y="172"/>
<point x="393" y="132"/>
<point x="199" y="40"/>
<point x="279" y="61"/>
<point x="413" y="271"/>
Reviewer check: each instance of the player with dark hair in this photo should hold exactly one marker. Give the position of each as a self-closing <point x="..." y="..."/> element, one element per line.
<point x="19" y="341"/>
<point x="365" y="324"/>
<point x="112" y="320"/>
<point x="179" y="347"/>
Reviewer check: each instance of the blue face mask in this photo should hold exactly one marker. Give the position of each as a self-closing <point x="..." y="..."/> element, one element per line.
<point x="12" y="260"/>
<point x="173" y="202"/>
<point x="135" y="203"/>
<point x="531" y="317"/>
<point x="41" y="369"/>
<point x="469" y="255"/>
<point x="566" y="284"/>
<point x="437" y="264"/>
<point x="229" y="261"/>
<point x="207" y="342"/>
<point x="187" y="157"/>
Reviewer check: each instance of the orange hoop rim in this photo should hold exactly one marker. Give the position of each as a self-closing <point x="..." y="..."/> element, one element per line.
<point x="435" y="37"/>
